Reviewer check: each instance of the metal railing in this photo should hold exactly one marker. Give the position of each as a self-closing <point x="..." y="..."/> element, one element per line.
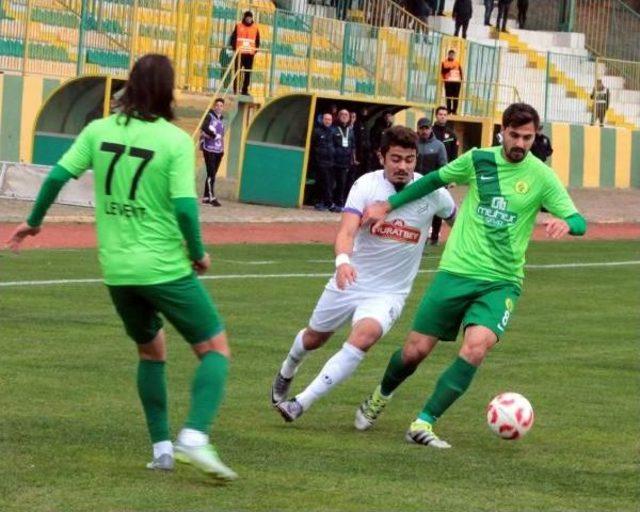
<point x="300" y="53"/>
<point x="610" y="27"/>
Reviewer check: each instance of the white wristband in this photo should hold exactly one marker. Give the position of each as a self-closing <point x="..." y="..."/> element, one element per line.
<point x="342" y="258"/>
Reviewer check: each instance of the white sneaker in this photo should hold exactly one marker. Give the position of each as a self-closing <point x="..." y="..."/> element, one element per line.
<point x="163" y="463"/>
<point x="205" y="458"/>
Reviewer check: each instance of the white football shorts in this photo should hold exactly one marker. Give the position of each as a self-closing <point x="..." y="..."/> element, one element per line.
<point x="335" y="308"/>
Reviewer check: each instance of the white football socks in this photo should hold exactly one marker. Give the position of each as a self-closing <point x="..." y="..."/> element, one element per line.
<point x="191" y="438"/>
<point x="161" y="448"/>
<point x="294" y="358"/>
<point x="340" y="366"/>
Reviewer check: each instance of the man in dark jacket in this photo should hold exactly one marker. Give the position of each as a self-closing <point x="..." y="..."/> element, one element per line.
<point x="363" y="145"/>
<point x="431" y="156"/>
<point x="322" y="151"/>
<point x="343" y="155"/>
<point x="445" y="134"/>
<point x="488" y="8"/>
<point x="462" y="11"/>
<point x="431" y="152"/>
<point x="541" y="146"/>
<point x="523" y="7"/>
<point x="503" y="13"/>
<point x="600" y="97"/>
<point x="375" y="137"/>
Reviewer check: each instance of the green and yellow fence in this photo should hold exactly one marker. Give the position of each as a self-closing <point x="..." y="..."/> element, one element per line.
<point x="594" y="157"/>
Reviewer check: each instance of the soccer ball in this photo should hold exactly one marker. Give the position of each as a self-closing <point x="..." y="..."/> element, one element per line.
<point x="510" y="415"/>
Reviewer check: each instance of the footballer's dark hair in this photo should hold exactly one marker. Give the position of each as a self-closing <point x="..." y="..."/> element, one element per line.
<point x="519" y="114"/>
<point x="442" y="107"/>
<point x="218" y="100"/>
<point x="398" y="136"/>
<point x="148" y="93"/>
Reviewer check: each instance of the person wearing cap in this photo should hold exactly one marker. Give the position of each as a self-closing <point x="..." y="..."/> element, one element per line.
<point x="245" y="39"/>
<point x="431" y="156"/>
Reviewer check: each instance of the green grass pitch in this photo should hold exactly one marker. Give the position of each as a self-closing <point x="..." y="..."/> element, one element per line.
<point x="72" y="435"/>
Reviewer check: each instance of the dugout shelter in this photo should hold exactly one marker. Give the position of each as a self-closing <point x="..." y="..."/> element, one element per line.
<point x="274" y="163"/>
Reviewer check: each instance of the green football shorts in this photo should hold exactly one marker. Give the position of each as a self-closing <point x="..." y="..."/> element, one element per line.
<point x="184" y="303"/>
<point x="452" y="301"/>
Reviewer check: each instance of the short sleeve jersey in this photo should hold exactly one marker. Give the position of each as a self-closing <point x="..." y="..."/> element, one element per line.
<point x="387" y="261"/>
<point x="139" y="167"/>
<point x="497" y="217"/>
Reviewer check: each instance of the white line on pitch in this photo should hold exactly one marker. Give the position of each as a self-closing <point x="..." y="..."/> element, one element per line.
<point x="4" y="284"/>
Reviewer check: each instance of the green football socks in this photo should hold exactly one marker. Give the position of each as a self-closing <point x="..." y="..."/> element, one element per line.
<point x="395" y="374"/>
<point x="453" y="382"/>
<point x="207" y="391"/>
<point x="152" y="389"/>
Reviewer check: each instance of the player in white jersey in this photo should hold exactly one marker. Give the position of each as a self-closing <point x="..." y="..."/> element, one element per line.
<point x="374" y="273"/>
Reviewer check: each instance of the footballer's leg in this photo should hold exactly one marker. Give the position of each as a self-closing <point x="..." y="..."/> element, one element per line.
<point x="451" y="385"/>
<point x="305" y="341"/>
<point x="337" y="369"/>
<point x="144" y="326"/>
<point x="188" y="306"/>
<point x="438" y="318"/>
<point x="332" y="311"/>
<point x="152" y="389"/>
<point x="402" y="364"/>
<point x="485" y="319"/>
<point x="193" y="445"/>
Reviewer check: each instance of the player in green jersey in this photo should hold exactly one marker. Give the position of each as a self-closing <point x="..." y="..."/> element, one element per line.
<point x="146" y="211"/>
<point x="480" y="274"/>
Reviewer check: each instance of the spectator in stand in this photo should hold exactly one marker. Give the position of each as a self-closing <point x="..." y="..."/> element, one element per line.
<point x="212" y="145"/>
<point x="600" y="97"/>
<point x="446" y="135"/>
<point x="452" y="76"/>
<point x="322" y="153"/>
<point x="488" y="8"/>
<point x="363" y="147"/>
<point x="245" y="39"/>
<point x="343" y="156"/>
<point x="541" y="145"/>
<point x="523" y="7"/>
<point x="462" y="11"/>
<point x="420" y="9"/>
<point x="375" y="137"/>
<point x="503" y="13"/>
<point x="354" y="168"/>
<point x="431" y="152"/>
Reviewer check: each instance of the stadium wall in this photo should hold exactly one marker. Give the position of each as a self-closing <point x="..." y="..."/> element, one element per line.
<point x="584" y="156"/>
<point x="20" y="99"/>
<point x="594" y="157"/>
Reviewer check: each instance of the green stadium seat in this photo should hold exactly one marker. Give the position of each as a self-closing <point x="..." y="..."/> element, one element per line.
<point x="107" y="58"/>
<point x="55" y="18"/>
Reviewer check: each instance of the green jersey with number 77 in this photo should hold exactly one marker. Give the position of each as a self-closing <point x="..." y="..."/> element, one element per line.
<point x="139" y="238"/>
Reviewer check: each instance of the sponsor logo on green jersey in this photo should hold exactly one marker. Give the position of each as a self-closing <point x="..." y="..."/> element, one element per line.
<point x="496" y="214"/>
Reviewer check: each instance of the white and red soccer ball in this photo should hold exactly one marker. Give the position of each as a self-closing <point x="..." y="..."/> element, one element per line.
<point x="510" y="416"/>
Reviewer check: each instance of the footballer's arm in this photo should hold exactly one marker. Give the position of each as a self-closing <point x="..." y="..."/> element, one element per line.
<point x="345" y="272"/>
